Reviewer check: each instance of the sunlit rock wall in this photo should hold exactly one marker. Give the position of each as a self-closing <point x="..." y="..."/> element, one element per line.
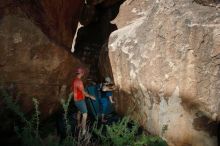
<point x="166" y="61"/>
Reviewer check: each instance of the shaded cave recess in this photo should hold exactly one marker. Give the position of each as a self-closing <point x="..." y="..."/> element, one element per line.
<point x="91" y="43"/>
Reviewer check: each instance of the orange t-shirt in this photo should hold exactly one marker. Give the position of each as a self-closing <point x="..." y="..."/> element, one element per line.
<point x="77" y="88"/>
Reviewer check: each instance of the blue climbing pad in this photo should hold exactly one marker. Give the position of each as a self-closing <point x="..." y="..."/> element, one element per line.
<point x="94" y="106"/>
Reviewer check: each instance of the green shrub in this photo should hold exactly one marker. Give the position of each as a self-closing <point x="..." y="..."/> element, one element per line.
<point x="120" y="134"/>
<point x="13" y="106"/>
<point x="65" y="105"/>
<point x="117" y="134"/>
<point x="149" y="141"/>
<point x="29" y="134"/>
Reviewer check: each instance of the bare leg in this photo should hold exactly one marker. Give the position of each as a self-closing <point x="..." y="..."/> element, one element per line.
<point x="84" y="118"/>
<point x="78" y="119"/>
<point x="111" y="100"/>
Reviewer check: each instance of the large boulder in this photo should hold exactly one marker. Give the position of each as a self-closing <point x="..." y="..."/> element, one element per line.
<point x="58" y="19"/>
<point x="36" y="38"/>
<point x="33" y="66"/>
<point x="165" y="59"/>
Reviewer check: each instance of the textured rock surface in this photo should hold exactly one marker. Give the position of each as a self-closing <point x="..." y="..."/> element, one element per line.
<point x="208" y="2"/>
<point x="103" y="2"/>
<point x="33" y="34"/>
<point x="167" y="65"/>
<point x="105" y="68"/>
<point x="58" y="19"/>
<point x="33" y="65"/>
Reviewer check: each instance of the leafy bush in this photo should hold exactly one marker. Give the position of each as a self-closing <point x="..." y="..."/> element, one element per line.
<point x="65" y="105"/>
<point x="149" y="141"/>
<point x="117" y="134"/>
<point x="29" y="134"/>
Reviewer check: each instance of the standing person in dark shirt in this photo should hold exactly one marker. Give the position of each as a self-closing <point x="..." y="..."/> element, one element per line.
<point x="106" y="94"/>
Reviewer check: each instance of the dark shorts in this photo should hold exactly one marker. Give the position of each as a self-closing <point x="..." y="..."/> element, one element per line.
<point x="81" y="105"/>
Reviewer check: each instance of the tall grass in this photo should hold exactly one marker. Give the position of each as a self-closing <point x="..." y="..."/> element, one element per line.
<point x="29" y="133"/>
<point x="65" y="105"/>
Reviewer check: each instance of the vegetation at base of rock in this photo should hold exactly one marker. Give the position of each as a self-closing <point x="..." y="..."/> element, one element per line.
<point x="65" y="105"/>
<point x="125" y="132"/>
<point x="118" y="134"/>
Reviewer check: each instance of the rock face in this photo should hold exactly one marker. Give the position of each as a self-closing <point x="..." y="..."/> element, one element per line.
<point x="33" y="65"/>
<point x="57" y="19"/>
<point x="166" y="61"/>
<point x="35" y="39"/>
<point x="35" y="42"/>
<point x="34" y="59"/>
<point x="208" y="2"/>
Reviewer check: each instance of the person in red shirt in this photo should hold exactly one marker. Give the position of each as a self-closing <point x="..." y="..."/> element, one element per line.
<point x="79" y="95"/>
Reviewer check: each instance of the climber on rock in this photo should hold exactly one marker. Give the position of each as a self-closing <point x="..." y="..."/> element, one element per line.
<point x="106" y="94"/>
<point x="79" y="95"/>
